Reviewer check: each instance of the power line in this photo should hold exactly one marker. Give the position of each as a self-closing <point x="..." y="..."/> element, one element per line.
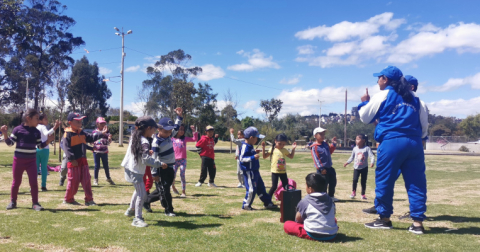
<point x="99" y="50"/>
<point x="140" y="52"/>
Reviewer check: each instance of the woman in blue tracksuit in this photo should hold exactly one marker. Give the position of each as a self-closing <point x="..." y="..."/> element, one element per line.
<point x="402" y="122"/>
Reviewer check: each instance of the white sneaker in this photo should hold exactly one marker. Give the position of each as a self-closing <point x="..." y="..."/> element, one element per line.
<point x="198" y="184"/>
<point x="139" y="222"/>
<point x="95" y="182"/>
<point x="239" y="185"/>
<point x="130" y="212"/>
<point x="170" y="214"/>
<point x="335" y="199"/>
<point x="247" y="208"/>
<point x="212" y="185"/>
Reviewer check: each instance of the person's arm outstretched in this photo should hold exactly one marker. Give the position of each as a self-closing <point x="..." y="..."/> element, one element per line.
<point x="350" y="159"/>
<point x="292" y="154"/>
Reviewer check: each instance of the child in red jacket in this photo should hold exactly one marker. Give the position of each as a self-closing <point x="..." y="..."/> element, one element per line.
<point x="206" y="145"/>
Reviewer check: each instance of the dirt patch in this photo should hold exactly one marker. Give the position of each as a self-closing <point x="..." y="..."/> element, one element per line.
<point x="212" y="233"/>
<point x="80" y="229"/>
<point x="109" y="249"/>
<point x="83" y="213"/>
<point x="45" y="247"/>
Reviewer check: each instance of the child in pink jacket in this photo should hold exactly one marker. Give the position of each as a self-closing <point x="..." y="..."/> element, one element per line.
<point x="180" y="147"/>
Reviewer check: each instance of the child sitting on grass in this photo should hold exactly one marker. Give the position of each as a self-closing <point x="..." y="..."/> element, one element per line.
<point x="315" y="219"/>
<point x="360" y="154"/>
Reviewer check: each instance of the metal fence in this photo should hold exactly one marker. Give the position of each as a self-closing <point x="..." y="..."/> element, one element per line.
<point x="450" y="139"/>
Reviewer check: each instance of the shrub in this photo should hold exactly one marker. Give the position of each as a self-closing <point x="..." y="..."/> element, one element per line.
<point x="464" y="149"/>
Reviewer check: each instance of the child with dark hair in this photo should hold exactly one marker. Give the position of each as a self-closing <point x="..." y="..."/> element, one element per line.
<point x="180" y="147"/>
<point x="277" y="156"/>
<point x="360" y="154"/>
<point x="206" y="146"/>
<point x="75" y="146"/>
<point x="135" y="162"/>
<point x="44" y="154"/>
<point x="315" y="219"/>
<point x="100" y="151"/>
<point x="251" y="174"/>
<point x="238" y="142"/>
<point x="27" y="137"/>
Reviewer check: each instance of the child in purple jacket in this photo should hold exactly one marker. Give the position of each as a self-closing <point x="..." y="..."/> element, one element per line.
<point x="100" y="151"/>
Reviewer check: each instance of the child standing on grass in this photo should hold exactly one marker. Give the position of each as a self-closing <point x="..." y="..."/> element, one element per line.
<point x="238" y="142"/>
<point x="360" y="154"/>
<point x="44" y="154"/>
<point x="315" y="219"/>
<point x="251" y="174"/>
<point x="101" y="151"/>
<point x="27" y="137"/>
<point x="75" y="146"/>
<point x="134" y="162"/>
<point x="322" y="158"/>
<point x="180" y="147"/>
<point x="278" y="164"/>
<point x="206" y="145"/>
<point x="164" y="154"/>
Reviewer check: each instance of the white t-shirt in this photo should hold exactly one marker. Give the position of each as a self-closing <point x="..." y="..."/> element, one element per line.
<point x="44" y="133"/>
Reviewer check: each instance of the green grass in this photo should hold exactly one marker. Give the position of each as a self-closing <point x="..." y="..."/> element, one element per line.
<point x="211" y="218"/>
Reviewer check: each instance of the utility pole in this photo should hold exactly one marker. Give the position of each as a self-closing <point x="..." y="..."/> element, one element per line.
<point x="320" y="115"/>
<point x="120" y="134"/>
<point x="26" y="98"/>
<point x="345" y="126"/>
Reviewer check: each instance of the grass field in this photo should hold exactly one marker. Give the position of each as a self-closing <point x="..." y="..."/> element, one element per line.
<point x="211" y="219"/>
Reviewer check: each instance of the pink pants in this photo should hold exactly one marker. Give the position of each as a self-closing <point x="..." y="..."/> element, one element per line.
<point x="296" y="229"/>
<point x="76" y="175"/>
<point x="19" y="166"/>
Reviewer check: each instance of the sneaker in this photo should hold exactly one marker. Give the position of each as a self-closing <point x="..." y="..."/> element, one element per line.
<point x="71" y="203"/>
<point x="247" y="208"/>
<point x="183" y="195"/>
<point x="12" y="205"/>
<point x="90" y="203"/>
<point x="364" y="197"/>
<point x="175" y="191"/>
<point x="379" y="224"/>
<point x="212" y="185"/>
<point x="95" y="182"/>
<point x="416" y="230"/>
<point x="198" y="184"/>
<point x="271" y="206"/>
<point x="139" y="222"/>
<point x="44" y="189"/>
<point x="130" y="212"/>
<point x="335" y="199"/>
<point x="37" y="207"/>
<point x="239" y="185"/>
<point x="170" y="214"/>
<point x="62" y="181"/>
<point x="353" y="195"/>
<point x="147" y="207"/>
<point x="110" y="181"/>
<point x="370" y="210"/>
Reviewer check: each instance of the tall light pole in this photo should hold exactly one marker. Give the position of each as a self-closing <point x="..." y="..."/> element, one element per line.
<point x="26" y="98"/>
<point x="320" y="115"/>
<point x="120" y="135"/>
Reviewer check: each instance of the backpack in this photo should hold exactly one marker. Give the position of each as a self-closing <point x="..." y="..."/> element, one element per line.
<point x="281" y="188"/>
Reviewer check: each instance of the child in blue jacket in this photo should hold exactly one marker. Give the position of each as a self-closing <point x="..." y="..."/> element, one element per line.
<point x="250" y="166"/>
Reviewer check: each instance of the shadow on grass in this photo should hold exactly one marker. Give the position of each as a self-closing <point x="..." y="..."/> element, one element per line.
<point x="353" y="201"/>
<point x="344" y="238"/>
<point x="203" y="195"/>
<point x="180" y="214"/>
<point x="186" y="224"/>
<point x="73" y="210"/>
<point x="456" y="219"/>
<point x="112" y="204"/>
<point x="468" y="231"/>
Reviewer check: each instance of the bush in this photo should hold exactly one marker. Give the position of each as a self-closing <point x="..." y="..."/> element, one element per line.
<point x="464" y="149"/>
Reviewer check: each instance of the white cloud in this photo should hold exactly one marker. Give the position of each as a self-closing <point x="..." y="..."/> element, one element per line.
<point x="462" y="37"/>
<point x="135" y="108"/>
<point x="132" y="68"/>
<point x="104" y="70"/>
<point x="256" y="60"/>
<point x="210" y="72"/>
<point x="292" y="81"/>
<point x="221" y="104"/>
<point x="459" y="107"/>
<point x="306" y="49"/>
<point x="250" y="104"/>
<point x="347" y="30"/>
<point x="454" y="83"/>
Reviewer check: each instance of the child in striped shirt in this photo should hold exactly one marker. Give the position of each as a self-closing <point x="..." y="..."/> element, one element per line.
<point x="28" y="138"/>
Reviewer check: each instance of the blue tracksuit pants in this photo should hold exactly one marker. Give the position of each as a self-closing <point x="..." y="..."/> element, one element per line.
<point x="254" y="185"/>
<point x="401" y="155"/>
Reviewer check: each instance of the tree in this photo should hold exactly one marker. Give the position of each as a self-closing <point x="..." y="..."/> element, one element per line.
<point x="175" y="62"/>
<point x="247" y="122"/>
<point x="271" y="108"/>
<point x="205" y="104"/>
<point x="471" y="126"/>
<point x="87" y="91"/>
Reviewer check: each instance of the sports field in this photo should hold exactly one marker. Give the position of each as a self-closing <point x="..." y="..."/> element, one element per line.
<point x="211" y="219"/>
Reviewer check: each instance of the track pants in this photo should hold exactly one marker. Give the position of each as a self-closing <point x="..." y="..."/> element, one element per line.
<point x="240" y="173"/>
<point x="403" y="155"/>
<point x="254" y="185"/>
<point x="208" y="164"/>
<point x="162" y="191"/>
<point x="331" y="177"/>
<point x="42" y="159"/>
<point x="363" y="181"/>
<point x="182" y="165"/>
<point x="18" y="167"/>
<point x="298" y="230"/>
<point x="76" y="175"/>
<point x="96" y="158"/>
<point x="138" y="197"/>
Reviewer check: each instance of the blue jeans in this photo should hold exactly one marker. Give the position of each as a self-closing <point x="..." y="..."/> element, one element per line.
<point x="104" y="158"/>
<point x="401" y="155"/>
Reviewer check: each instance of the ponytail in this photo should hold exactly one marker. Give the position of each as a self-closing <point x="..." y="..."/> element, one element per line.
<point x="402" y="88"/>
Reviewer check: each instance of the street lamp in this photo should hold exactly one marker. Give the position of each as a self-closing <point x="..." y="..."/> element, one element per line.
<point x="122" y="34"/>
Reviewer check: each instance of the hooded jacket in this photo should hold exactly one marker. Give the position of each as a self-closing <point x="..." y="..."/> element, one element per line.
<point x="318" y="214"/>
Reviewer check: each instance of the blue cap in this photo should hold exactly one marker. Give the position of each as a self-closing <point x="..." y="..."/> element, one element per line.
<point x="412" y="80"/>
<point x="250" y="131"/>
<point x="166" y="123"/>
<point x="390" y="72"/>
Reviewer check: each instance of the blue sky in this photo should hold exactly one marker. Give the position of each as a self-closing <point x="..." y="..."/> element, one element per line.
<point x="297" y="51"/>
